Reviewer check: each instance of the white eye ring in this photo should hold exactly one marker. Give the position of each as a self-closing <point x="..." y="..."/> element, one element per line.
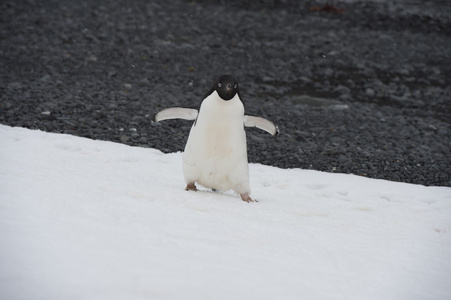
<point x="219" y="84"/>
<point x="235" y="86"/>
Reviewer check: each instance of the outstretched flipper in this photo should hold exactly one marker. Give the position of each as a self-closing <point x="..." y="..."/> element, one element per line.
<point x="176" y="113"/>
<point x="261" y="123"/>
<point x="190" y="114"/>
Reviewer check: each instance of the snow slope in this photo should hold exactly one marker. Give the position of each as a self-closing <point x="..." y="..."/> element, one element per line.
<point x="84" y="219"/>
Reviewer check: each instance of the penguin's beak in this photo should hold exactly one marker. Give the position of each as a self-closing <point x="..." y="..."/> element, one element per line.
<point x="228" y="86"/>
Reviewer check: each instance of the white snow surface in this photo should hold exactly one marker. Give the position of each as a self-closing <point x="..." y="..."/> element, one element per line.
<point x="85" y="219"/>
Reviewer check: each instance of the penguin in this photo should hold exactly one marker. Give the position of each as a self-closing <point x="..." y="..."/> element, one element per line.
<point x="215" y="154"/>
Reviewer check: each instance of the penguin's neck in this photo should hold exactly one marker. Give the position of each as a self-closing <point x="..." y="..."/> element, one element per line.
<point x="217" y="109"/>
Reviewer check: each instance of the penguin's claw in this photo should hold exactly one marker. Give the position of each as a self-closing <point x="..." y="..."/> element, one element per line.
<point x="247" y="198"/>
<point x="191" y="187"/>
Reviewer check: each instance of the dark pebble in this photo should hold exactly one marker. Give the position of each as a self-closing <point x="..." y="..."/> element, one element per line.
<point x="350" y="92"/>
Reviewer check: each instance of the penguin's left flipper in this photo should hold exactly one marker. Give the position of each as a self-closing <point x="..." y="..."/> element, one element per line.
<point x="261" y="123"/>
<point x="176" y="113"/>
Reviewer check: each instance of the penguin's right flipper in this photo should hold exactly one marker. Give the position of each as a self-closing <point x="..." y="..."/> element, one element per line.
<point x="176" y="113"/>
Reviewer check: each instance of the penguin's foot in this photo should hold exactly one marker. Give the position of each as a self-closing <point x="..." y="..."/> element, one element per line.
<point x="191" y="187"/>
<point x="247" y="198"/>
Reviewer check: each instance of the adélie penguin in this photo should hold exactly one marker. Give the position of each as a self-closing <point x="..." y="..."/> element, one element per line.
<point x="215" y="154"/>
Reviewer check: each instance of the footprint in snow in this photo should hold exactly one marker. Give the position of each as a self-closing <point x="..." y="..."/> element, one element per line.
<point x="316" y="186"/>
<point x="68" y="147"/>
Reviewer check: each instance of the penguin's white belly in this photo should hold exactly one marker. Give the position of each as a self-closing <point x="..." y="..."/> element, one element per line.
<point x="216" y="153"/>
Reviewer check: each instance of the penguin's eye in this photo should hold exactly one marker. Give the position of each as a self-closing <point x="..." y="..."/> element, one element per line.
<point x="235" y="86"/>
<point x="219" y="84"/>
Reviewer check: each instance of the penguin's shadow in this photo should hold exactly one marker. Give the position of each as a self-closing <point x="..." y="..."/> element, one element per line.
<point x="203" y="190"/>
<point x="209" y="192"/>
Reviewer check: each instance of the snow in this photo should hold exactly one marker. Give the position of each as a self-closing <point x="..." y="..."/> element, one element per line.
<point x="85" y="219"/>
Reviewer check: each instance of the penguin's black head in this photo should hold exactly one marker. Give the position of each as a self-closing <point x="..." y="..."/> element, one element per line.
<point x="226" y="86"/>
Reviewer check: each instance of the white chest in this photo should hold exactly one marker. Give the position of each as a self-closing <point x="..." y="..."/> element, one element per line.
<point x="216" y="153"/>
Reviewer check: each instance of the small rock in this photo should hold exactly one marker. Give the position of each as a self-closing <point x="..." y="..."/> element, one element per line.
<point x="267" y="79"/>
<point x="15" y="85"/>
<point x="45" y="78"/>
<point x="144" y="82"/>
<point x="124" y="138"/>
<point x="370" y="92"/>
<point x="91" y="58"/>
<point x="344" y="160"/>
<point x="341" y="89"/>
<point x="339" y="107"/>
<point x="328" y="72"/>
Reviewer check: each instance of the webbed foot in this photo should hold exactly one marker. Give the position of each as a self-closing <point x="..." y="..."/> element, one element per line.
<point x="245" y="197"/>
<point x="191" y="187"/>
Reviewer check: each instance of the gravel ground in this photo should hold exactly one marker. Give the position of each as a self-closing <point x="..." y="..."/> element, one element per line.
<point x="363" y="88"/>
